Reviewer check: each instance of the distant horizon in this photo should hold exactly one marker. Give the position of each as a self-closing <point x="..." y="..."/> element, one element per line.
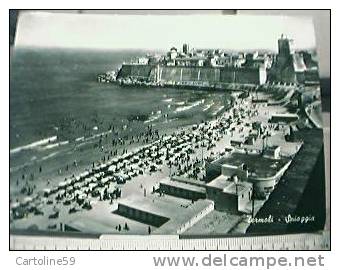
<point x="21" y="47"/>
<point x="160" y="33"/>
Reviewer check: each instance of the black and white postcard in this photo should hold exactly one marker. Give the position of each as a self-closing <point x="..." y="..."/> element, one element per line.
<point x="165" y="125"/>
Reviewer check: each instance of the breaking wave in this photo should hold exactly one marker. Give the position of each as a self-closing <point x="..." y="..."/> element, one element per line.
<point x="33" y="145"/>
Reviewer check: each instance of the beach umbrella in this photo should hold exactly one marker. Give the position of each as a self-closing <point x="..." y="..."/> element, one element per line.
<point x="62" y="184"/>
<point x="78" y="192"/>
<point x="112" y="168"/>
<point x="92" y="185"/>
<point x="104" y="180"/>
<point x="84" y="174"/>
<point x="77" y="185"/>
<point x="68" y="182"/>
<point x="82" y="196"/>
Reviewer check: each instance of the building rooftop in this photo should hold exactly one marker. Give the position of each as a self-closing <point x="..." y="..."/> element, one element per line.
<point x="285" y="115"/>
<point x="187" y="180"/>
<point x="257" y="165"/>
<point x="193" y="58"/>
<point x="241" y="187"/>
<point x="178" y="210"/>
<point x="88" y="225"/>
<point x="222" y="182"/>
<point x="183" y="185"/>
<point x="219" y="182"/>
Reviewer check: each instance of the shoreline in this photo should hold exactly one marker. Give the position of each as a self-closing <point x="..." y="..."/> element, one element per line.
<point x="85" y="165"/>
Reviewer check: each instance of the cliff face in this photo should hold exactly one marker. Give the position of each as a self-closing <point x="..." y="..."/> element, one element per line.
<point x="208" y="75"/>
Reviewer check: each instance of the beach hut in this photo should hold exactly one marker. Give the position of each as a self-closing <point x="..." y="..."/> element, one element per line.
<point x="78" y="193"/>
<point x="84" y="174"/>
<point x="92" y="186"/>
<point x="114" y="161"/>
<point x="153" y="148"/>
<point x="135" y="159"/>
<point x="110" y="178"/>
<point x="126" y="162"/>
<point x="77" y="186"/>
<point x="104" y="180"/>
<point x="97" y="176"/>
<point x="69" y="189"/>
<point x="112" y="169"/>
<point x="69" y="182"/>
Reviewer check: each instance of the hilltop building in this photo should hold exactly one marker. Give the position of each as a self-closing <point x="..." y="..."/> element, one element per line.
<point x="217" y="68"/>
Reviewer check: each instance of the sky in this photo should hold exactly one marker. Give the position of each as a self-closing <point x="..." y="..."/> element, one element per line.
<point x="98" y="31"/>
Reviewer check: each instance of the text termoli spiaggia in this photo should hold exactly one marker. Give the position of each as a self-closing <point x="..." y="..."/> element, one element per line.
<point x="286" y="219"/>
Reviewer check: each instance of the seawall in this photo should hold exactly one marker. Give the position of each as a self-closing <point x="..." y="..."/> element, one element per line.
<point x="202" y="75"/>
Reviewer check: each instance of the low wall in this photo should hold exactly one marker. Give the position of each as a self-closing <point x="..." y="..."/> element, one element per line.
<point x="192" y="221"/>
